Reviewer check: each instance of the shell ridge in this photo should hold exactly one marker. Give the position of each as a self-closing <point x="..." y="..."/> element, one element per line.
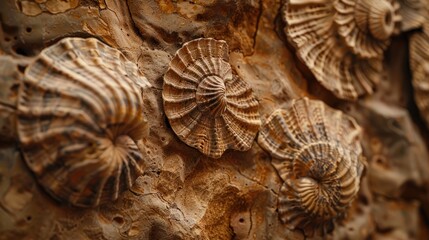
<point x="121" y="170"/>
<point x="112" y="105"/>
<point x="123" y="105"/>
<point x="303" y="132"/>
<point x="237" y="132"/>
<point x="190" y="125"/>
<point x="63" y="113"/>
<point x="182" y="113"/>
<point x="92" y="86"/>
<point x="172" y="73"/>
<point x="75" y="193"/>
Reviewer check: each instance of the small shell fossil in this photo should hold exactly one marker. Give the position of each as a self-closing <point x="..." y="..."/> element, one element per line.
<point x="316" y="151"/>
<point x="413" y="13"/>
<point x="80" y="114"/>
<point x="329" y="41"/>
<point x="366" y="25"/>
<point x="208" y="106"/>
<point x="419" y="61"/>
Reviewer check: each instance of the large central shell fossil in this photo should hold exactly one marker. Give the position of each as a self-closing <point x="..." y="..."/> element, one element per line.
<point x="342" y="41"/>
<point x="317" y="153"/>
<point x="419" y="61"/>
<point x="80" y="115"/>
<point x="208" y="106"/>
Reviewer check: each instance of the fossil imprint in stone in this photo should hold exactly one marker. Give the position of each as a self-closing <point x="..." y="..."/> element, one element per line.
<point x="80" y="115"/>
<point x="342" y="42"/>
<point x="208" y="106"/>
<point x="419" y="61"/>
<point x="316" y="151"/>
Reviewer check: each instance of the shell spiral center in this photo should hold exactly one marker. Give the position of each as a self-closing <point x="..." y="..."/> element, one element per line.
<point x="381" y="19"/>
<point x="210" y="95"/>
<point x="315" y="181"/>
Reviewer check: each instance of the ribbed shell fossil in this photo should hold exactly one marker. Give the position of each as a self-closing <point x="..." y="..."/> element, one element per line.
<point x="419" y="61"/>
<point x="80" y="114"/>
<point x="208" y="106"/>
<point x="367" y="25"/>
<point x="317" y="153"/>
<point x="333" y="44"/>
<point x="413" y="13"/>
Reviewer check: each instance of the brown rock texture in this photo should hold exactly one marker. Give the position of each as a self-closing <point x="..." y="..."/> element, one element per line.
<point x="182" y="193"/>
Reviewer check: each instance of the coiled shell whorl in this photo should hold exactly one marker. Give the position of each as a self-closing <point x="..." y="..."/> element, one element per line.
<point x="208" y="106"/>
<point x="366" y="25"/>
<point x="312" y="29"/>
<point x="317" y="153"/>
<point x="80" y="114"/>
<point x="419" y="61"/>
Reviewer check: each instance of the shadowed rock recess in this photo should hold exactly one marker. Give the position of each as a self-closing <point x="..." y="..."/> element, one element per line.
<point x="217" y="119"/>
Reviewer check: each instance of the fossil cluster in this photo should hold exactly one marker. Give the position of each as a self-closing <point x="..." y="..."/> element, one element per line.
<point x="342" y="42"/>
<point x="188" y="120"/>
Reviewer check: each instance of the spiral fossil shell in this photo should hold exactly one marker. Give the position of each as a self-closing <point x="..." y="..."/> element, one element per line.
<point x="317" y="153"/>
<point x="80" y="114"/>
<point x="208" y="106"/>
<point x="328" y="39"/>
<point x="419" y="61"/>
<point x="367" y="25"/>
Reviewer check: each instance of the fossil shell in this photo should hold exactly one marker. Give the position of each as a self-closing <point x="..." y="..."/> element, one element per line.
<point x="312" y="30"/>
<point x="413" y="13"/>
<point x="419" y="61"/>
<point x="316" y="151"/>
<point x="367" y="25"/>
<point x="80" y="113"/>
<point x="208" y="106"/>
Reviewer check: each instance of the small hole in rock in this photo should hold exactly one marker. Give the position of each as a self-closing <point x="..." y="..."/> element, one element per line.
<point x="29" y="218"/>
<point x="21" y="68"/>
<point x="241" y="220"/>
<point x="380" y="160"/>
<point x="22" y="51"/>
<point x="388" y="18"/>
<point x="118" y="220"/>
<point x="29" y="29"/>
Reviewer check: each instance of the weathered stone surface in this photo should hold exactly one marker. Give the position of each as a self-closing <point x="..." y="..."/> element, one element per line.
<point x="9" y="83"/>
<point x="396" y="153"/>
<point x="236" y="21"/>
